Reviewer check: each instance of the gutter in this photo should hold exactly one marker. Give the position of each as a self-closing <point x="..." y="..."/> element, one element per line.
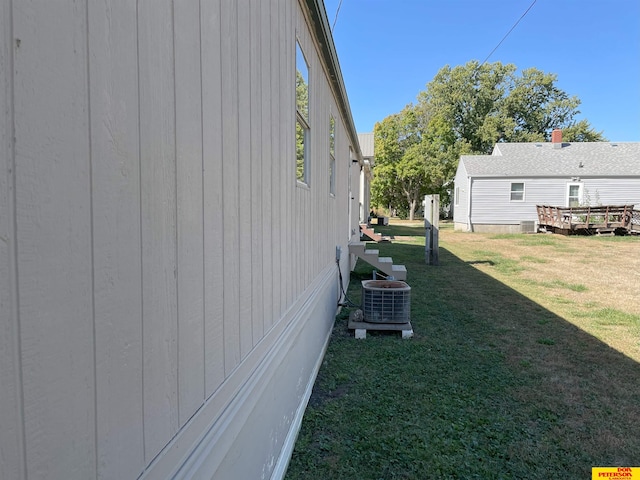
<point x="319" y="24"/>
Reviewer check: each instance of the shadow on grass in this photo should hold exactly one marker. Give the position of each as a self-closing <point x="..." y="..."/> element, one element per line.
<point x="492" y="386"/>
<point x="395" y="230"/>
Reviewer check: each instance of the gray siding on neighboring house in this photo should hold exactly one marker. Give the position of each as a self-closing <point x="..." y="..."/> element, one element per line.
<point x="460" y="198"/>
<point x="612" y="191"/>
<point x="491" y="201"/>
<point x="609" y="174"/>
<point x="167" y="287"/>
<point x="463" y="186"/>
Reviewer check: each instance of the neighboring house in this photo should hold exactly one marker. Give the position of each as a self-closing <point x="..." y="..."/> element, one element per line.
<point x="172" y="222"/>
<point x="366" y="174"/>
<point x="495" y="193"/>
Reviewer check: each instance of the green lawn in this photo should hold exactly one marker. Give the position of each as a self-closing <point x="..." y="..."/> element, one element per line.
<point x="494" y="384"/>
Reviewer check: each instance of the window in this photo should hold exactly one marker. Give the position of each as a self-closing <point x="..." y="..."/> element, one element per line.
<point x="302" y="117"/>
<point x="457" y="196"/>
<point x="332" y="155"/>
<point x="574" y="194"/>
<point x="517" y="192"/>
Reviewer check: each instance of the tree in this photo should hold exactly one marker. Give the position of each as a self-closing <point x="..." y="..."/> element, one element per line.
<point x="415" y="155"/>
<point x="582" y="132"/>
<point x="467" y="110"/>
<point x="398" y="179"/>
<point x="466" y="99"/>
<point x="491" y="103"/>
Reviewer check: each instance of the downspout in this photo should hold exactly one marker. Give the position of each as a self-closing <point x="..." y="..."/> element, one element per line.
<point x="469" y="185"/>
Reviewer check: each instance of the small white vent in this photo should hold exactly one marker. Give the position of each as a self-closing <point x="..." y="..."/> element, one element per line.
<point x="527" y="226"/>
<point x="386" y="301"/>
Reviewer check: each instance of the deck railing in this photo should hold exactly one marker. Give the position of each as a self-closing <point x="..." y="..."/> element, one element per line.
<point x="635" y="221"/>
<point x="600" y="218"/>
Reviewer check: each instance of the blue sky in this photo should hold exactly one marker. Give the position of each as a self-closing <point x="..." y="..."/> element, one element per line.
<point x="390" y="49"/>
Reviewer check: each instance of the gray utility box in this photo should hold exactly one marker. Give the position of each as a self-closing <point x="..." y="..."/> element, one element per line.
<point x="386" y="301"/>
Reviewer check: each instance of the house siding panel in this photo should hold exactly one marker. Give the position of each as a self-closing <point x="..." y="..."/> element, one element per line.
<point x="53" y="235"/>
<point x="257" y="138"/>
<point x="190" y="239"/>
<point x="159" y="223"/>
<point x="460" y="208"/>
<point x="230" y="228"/>
<point x="11" y="419"/>
<point x="117" y="252"/>
<point x="491" y="204"/>
<point x="212" y="195"/>
<point x="612" y="191"/>
<point x="268" y="129"/>
<point x="176" y="286"/>
<point x="279" y="118"/>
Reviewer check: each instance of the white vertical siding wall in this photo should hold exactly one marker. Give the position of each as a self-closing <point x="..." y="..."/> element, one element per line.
<point x="190" y="211"/>
<point x="12" y="461"/>
<point x="460" y="209"/>
<point x="117" y="236"/>
<point x="54" y="238"/>
<point x="169" y="287"/>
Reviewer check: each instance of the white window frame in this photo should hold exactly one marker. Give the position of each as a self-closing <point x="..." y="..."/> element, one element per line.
<point x="302" y="119"/>
<point x="457" y="196"/>
<point x="580" y="197"/>
<point x="512" y="191"/>
<point x="332" y="155"/>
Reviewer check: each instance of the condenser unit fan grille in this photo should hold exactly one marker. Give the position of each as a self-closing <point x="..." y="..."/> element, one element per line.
<point x="386" y="301"/>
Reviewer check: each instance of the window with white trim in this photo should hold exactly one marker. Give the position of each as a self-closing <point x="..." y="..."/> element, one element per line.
<point x="332" y="155"/>
<point x="457" y="196"/>
<point x="302" y="116"/>
<point x="517" y="192"/>
<point x="574" y="194"/>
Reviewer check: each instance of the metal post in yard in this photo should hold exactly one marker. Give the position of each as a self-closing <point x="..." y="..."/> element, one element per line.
<point x="431" y="226"/>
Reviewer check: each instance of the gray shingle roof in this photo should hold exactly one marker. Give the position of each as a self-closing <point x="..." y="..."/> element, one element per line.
<point x="608" y="159"/>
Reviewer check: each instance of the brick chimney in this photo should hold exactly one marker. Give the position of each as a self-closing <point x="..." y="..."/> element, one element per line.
<point x="556" y="138"/>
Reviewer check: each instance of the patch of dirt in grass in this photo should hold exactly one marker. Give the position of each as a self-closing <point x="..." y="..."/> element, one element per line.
<point x="320" y="396"/>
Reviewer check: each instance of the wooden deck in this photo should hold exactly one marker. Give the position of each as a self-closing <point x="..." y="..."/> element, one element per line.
<point x="589" y="220"/>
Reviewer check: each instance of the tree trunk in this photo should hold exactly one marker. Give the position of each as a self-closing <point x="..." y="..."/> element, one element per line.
<point x="412" y="209"/>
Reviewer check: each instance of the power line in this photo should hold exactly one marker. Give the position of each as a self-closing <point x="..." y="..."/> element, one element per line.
<point x="336" y="17"/>
<point x="505" y="37"/>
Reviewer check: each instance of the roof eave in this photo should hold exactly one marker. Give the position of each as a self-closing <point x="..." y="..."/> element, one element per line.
<point x="319" y="23"/>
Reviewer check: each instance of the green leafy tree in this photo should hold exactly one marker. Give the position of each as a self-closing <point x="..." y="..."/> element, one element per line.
<point x="582" y="132"/>
<point x="491" y="103"/>
<point x="399" y="175"/>
<point x="415" y="155"/>
<point x="465" y="98"/>
<point x="467" y="110"/>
